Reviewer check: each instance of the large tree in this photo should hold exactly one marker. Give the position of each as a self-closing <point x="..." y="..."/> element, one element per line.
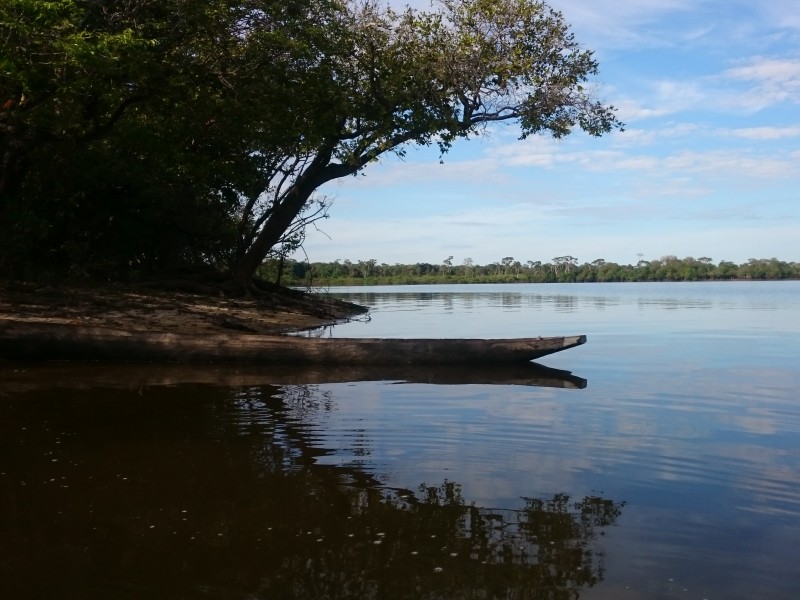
<point x="132" y="133"/>
<point x="430" y="77"/>
<point x="159" y="133"/>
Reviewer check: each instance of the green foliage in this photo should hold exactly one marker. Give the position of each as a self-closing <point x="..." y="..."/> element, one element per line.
<point x="143" y="136"/>
<point x="564" y="269"/>
<point x="128" y="132"/>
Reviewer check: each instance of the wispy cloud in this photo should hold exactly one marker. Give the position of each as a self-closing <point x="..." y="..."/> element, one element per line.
<point x="762" y="133"/>
<point x="752" y="85"/>
<point x="666" y="97"/>
<point x="768" y="81"/>
<point x="714" y="163"/>
<point x="624" y="23"/>
<point x="783" y="13"/>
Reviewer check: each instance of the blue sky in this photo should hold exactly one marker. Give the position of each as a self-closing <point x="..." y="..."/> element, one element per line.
<point x="709" y="163"/>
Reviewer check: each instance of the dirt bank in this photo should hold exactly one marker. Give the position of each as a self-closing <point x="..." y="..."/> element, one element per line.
<point x="157" y="310"/>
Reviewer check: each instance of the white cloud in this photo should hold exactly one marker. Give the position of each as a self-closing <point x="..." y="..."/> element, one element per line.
<point x="621" y="23"/>
<point x="425" y="171"/>
<point x="783" y="13"/>
<point x="722" y="165"/>
<point x="767" y="70"/>
<point x="716" y="163"/>
<point x="664" y="97"/>
<point x="762" y="133"/>
<point x="631" y="110"/>
<point x="751" y="86"/>
<point x="770" y="80"/>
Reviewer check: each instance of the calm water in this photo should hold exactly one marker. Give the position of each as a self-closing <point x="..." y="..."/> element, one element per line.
<point x="674" y="473"/>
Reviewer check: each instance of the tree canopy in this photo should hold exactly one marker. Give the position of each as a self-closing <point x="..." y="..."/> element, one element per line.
<point x="561" y="269"/>
<point x="142" y="136"/>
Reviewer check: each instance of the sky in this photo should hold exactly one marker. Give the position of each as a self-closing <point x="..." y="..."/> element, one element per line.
<point x="708" y="164"/>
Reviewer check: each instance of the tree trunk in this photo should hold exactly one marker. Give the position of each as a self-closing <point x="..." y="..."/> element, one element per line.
<point x="272" y="231"/>
<point x="284" y="214"/>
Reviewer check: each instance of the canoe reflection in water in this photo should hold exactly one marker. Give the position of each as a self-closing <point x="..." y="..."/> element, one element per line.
<point x="28" y="376"/>
<point x="126" y="489"/>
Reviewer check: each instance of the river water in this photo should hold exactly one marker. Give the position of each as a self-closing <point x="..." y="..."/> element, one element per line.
<point x="666" y="465"/>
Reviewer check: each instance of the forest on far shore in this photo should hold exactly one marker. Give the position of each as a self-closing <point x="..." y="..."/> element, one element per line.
<point x="562" y="269"/>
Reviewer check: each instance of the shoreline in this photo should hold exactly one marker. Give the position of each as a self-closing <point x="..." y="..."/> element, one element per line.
<point x="139" y="309"/>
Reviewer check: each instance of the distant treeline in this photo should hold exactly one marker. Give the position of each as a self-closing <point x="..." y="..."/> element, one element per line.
<point x="562" y="269"/>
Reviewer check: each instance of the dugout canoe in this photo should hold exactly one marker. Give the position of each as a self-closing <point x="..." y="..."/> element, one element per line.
<point x="50" y="341"/>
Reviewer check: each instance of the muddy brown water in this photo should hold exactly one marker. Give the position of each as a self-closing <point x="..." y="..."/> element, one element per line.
<point x="672" y="472"/>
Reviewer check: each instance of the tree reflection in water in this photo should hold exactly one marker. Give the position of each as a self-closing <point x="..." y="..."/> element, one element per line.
<point x="430" y="542"/>
<point x="186" y="492"/>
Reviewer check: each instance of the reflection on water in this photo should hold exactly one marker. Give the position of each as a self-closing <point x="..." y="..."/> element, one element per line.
<point x="25" y="378"/>
<point x="201" y="491"/>
<point x="674" y="474"/>
<point x="524" y="310"/>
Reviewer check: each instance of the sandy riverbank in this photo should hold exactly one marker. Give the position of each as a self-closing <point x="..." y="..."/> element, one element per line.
<point x="141" y="309"/>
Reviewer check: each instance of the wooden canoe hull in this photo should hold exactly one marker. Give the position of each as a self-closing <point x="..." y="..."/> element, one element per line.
<point x="45" y="341"/>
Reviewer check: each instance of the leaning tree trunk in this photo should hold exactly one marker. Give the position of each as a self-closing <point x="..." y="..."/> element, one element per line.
<point x="285" y="213"/>
<point x="278" y="222"/>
